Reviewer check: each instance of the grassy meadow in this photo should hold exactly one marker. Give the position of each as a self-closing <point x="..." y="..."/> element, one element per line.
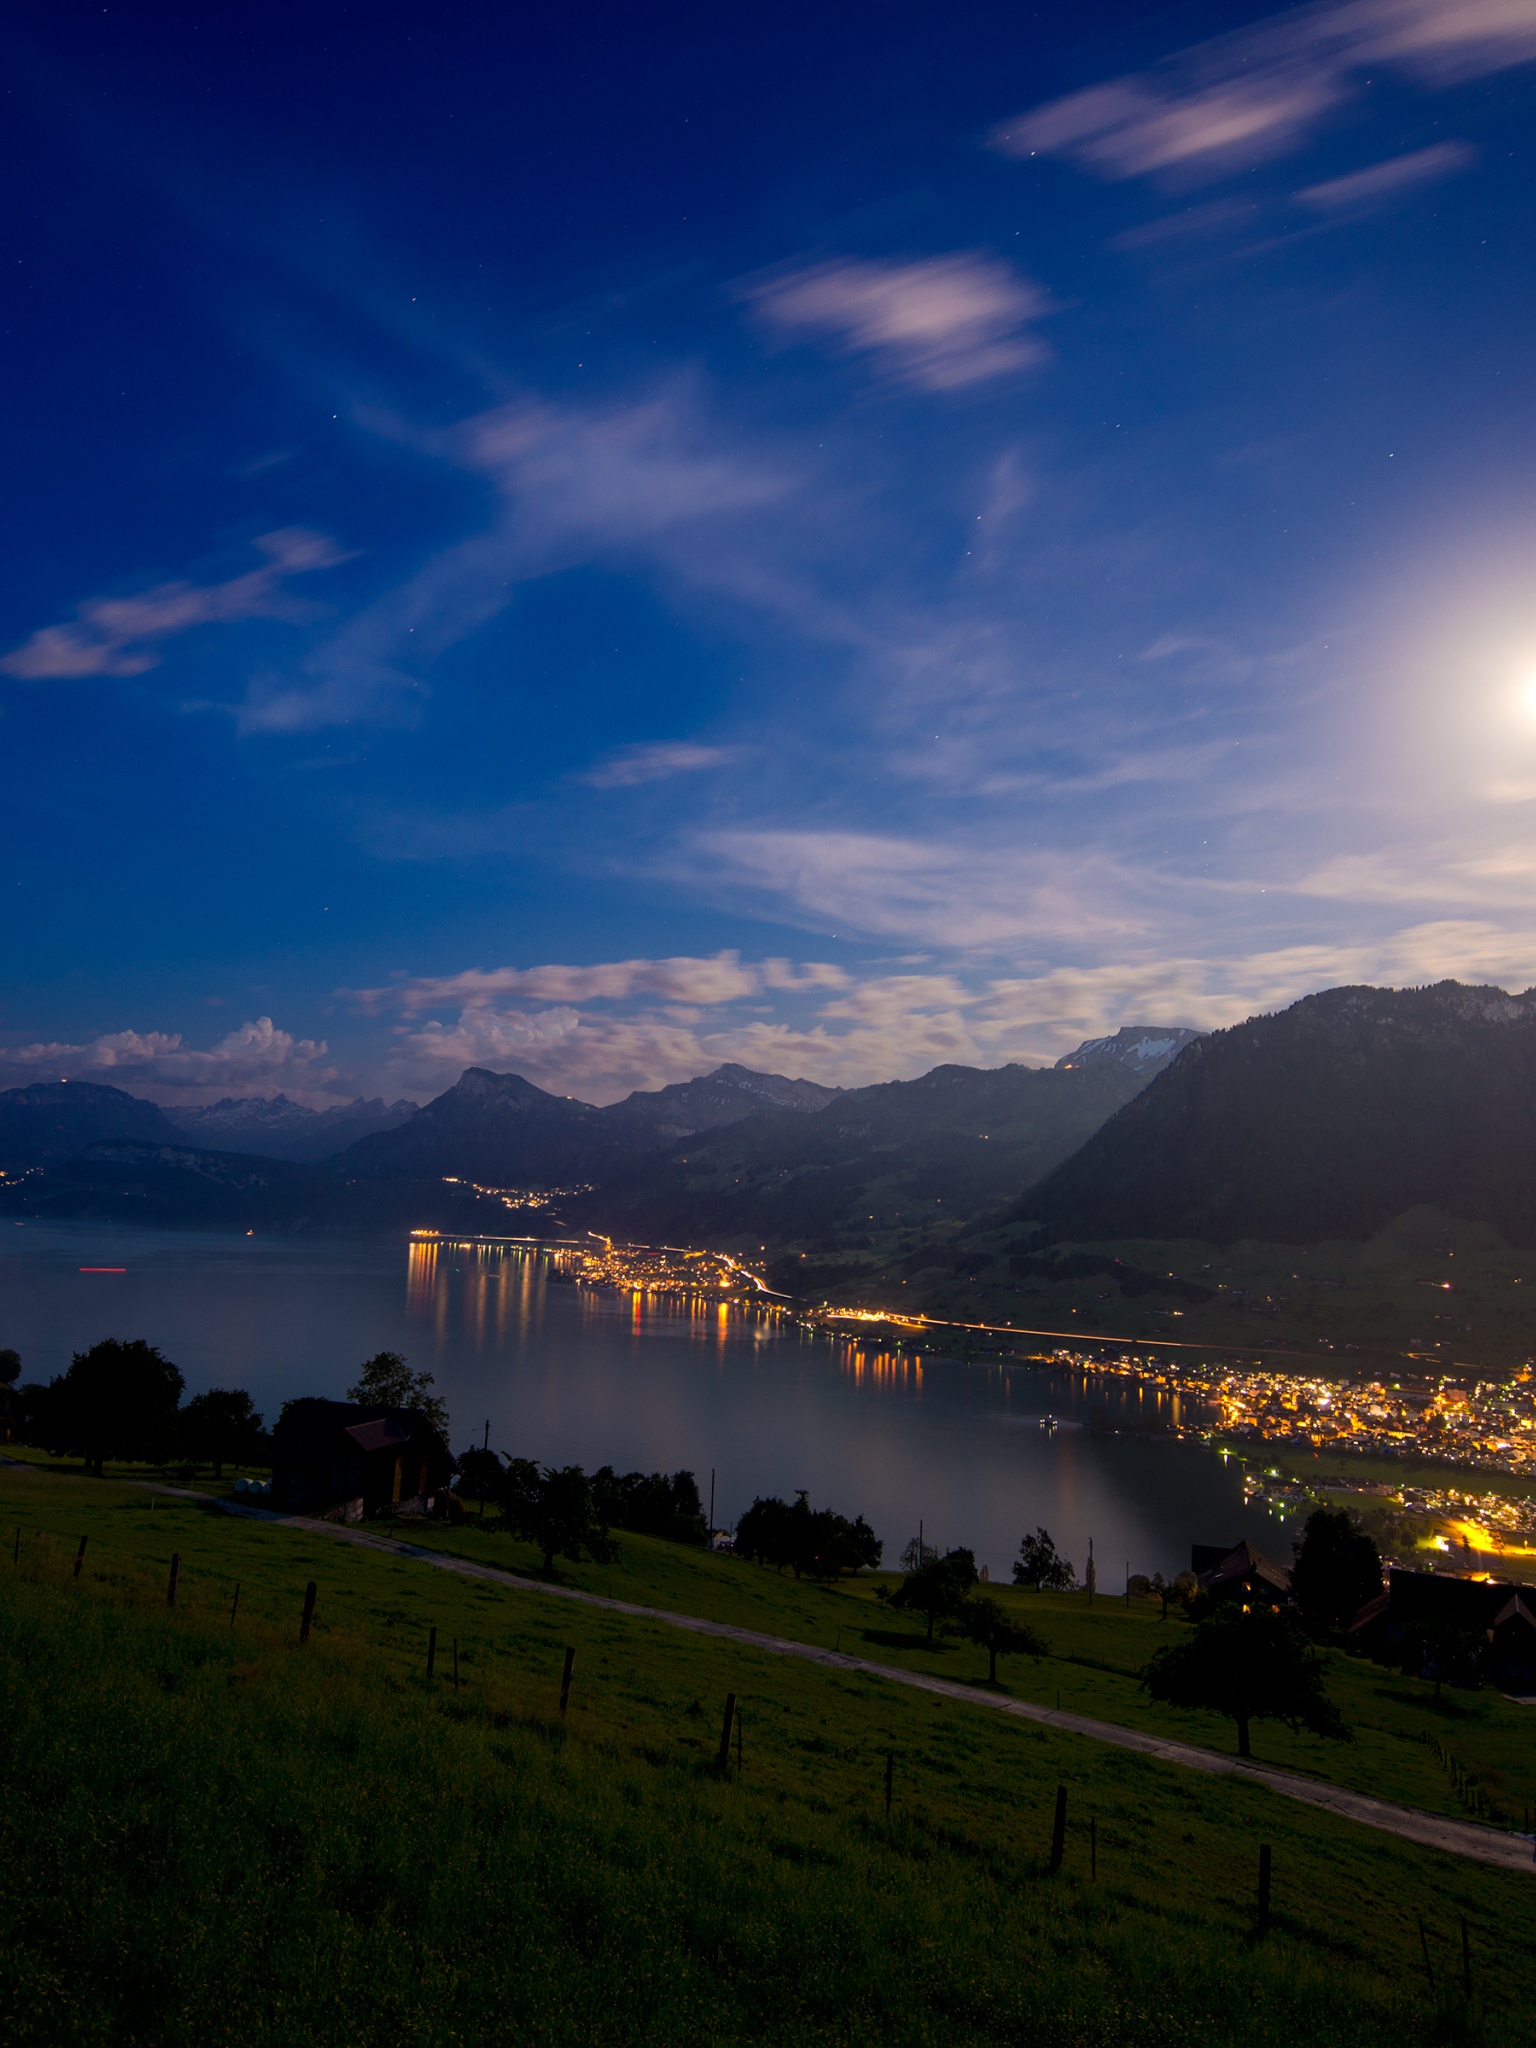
<point x="210" y="1831"/>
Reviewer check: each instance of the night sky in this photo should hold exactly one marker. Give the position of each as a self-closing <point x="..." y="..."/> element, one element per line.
<point x="597" y="540"/>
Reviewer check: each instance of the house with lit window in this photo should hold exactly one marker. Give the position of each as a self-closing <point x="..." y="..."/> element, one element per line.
<point x="342" y="1460"/>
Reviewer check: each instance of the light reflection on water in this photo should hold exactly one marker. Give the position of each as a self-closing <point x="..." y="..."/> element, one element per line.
<point x="980" y="1451"/>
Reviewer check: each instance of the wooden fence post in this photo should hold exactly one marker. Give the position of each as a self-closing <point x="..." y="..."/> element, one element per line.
<point x="309" y="1611"/>
<point x="1059" y="1829"/>
<point x="234" y="1605"/>
<point x="725" y="1733"/>
<point x="170" y="1584"/>
<point x="431" y="1653"/>
<point x="565" y="1676"/>
<point x="1429" y="1968"/>
<point x="1264" y="1861"/>
<point x="80" y="1555"/>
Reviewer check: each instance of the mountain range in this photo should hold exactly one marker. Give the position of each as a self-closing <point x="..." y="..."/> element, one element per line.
<point x="275" y="1128"/>
<point x="733" y="1153"/>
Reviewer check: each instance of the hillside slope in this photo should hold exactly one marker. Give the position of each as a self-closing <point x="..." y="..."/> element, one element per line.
<point x="1323" y="1121"/>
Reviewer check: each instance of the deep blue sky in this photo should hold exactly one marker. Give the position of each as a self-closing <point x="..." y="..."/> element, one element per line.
<point x="597" y="540"/>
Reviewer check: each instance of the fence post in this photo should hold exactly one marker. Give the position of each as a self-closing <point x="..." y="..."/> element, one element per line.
<point x="309" y="1611"/>
<point x="565" y="1676"/>
<point x="890" y="1773"/>
<point x="1263" y="1887"/>
<point x="725" y="1733"/>
<point x="170" y="1584"/>
<point x="1429" y="1968"/>
<point x="234" y="1605"/>
<point x="80" y="1554"/>
<point x="1059" y="1829"/>
<point x="431" y="1652"/>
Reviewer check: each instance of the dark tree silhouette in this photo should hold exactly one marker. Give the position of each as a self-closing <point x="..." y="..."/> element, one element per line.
<point x="386" y="1381"/>
<point x="937" y="1589"/>
<point x="1250" y="1666"/>
<point x="554" y="1508"/>
<point x="117" y="1400"/>
<point x="986" y="1622"/>
<point x="651" y="1503"/>
<point x="221" y="1424"/>
<point x="1042" y="1566"/>
<point x="1337" y="1569"/>
<point x="480" y="1474"/>
<point x="815" y="1543"/>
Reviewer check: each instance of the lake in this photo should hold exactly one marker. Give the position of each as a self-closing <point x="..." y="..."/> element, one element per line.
<point x="979" y="1453"/>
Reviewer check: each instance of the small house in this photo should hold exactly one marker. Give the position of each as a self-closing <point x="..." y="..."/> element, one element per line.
<point x="1240" y="1573"/>
<point x="343" y="1460"/>
<point x="1430" y="1620"/>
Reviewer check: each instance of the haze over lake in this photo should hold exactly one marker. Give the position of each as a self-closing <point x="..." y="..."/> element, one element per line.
<point x="568" y="1374"/>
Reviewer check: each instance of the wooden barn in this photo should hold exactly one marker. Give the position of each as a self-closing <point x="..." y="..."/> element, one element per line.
<point x="340" y="1458"/>
<point x="1241" y="1573"/>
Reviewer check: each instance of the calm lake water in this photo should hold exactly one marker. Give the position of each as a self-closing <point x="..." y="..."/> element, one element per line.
<point x="566" y="1374"/>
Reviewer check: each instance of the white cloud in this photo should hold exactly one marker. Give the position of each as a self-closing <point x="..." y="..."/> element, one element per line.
<point x="1263" y="90"/>
<point x="257" y="1056"/>
<point x="1381" y="181"/>
<point x="123" y="636"/>
<point x="632" y="766"/>
<point x="896" y="1026"/>
<point x="942" y="323"/>
<point x="942" y="893"/>
<point x="720" y="978"/>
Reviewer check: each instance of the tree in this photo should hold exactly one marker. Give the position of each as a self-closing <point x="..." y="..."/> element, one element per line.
<point x="1042" y="1566"/>
<point x="987" y="1623"/>
<point x="1440" y="1650"/>
<point x="1337" y="1569"/>
<point x="937" y="1589"/>
<point x="555" y="1509"/>
<point x="221" y="1424"/>
<point x="817" y="1543"/>
<point x="480" y="1474"/>
<point x="10" y="1367"/>
<point x="1250" y="1665"/>
<point x="651" y="1503"/>
<point x="11" y="1409"/>
<point x="1183" y="1587"/>
<point x="386" y="1381"/>
<point x="117" y="1400"/>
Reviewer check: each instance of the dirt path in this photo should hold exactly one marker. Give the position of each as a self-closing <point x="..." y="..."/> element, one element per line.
<point x="1455" y="1837"/>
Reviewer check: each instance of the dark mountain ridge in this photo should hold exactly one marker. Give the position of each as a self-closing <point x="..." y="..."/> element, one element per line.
<point x="502" y="1131"/>
<point x="1324" y="1120"/>
<point x="53" y="1120"/>
<point x="955" y="1142"/>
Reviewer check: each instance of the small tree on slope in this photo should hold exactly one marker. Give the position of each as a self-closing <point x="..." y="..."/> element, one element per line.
<point x="1256" y="1666"/>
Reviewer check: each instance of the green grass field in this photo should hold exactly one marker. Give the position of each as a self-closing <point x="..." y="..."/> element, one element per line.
<point x="211" y="1832"/>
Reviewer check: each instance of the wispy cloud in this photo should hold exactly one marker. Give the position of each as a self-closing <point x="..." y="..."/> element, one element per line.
<point x="258" y="1056"/>
<point x="1262" y="91"/>
<point x="720" y="978"/>
<point x="650" y="482"/>
<point x="942" y="323"/>
<point x="124" y="636"/>
<point x="1378" y="182"/>
<point x="656" y="762"/>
